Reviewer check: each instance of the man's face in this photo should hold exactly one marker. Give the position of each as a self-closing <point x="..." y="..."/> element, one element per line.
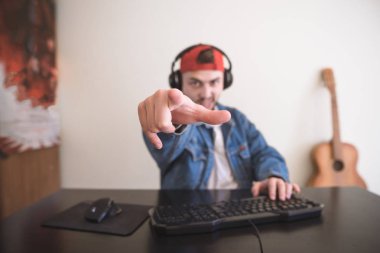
<point x="203" y="87"/>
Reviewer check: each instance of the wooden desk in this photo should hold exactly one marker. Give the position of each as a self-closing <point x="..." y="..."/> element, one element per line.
<point x="349" y="223"/>
<point x="27" y="177"/>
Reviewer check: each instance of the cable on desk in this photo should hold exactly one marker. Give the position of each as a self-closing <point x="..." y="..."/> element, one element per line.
<point x="257" y="235"/>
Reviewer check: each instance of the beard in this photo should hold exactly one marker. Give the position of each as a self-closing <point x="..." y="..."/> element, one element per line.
<point x="208" y="103"/>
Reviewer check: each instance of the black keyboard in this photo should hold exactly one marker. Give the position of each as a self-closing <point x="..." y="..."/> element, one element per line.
<point x="199" y="218"/>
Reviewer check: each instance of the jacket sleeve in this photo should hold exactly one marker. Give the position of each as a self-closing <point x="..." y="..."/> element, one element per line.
<point x="266" y="161"/>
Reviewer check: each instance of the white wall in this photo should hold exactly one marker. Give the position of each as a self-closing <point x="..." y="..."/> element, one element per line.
<point x="112" y="54"/>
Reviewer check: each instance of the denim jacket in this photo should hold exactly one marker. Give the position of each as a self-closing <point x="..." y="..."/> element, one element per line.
<point x="186" y="160"/>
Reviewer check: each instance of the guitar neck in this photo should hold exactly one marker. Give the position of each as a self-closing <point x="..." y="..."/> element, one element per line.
<point x="328" y="78"/>
<point x="336" y="141"/>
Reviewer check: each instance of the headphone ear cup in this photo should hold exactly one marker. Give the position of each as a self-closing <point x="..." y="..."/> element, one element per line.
<point x="171" y="80"/>
<point x="175" y="80"/>
<point x="228" y="78"/>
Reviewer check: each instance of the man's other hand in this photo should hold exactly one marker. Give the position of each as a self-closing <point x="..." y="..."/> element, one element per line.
<point x="275" y="187"/>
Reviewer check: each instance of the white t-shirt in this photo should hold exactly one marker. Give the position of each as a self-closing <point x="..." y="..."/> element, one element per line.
<point x="221" y="174"/>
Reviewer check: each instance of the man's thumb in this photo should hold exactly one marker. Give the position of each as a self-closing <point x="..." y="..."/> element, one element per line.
<point x="175" y="99"/>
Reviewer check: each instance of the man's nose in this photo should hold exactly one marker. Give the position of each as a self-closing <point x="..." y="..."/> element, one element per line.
<point x="206" y="91"/>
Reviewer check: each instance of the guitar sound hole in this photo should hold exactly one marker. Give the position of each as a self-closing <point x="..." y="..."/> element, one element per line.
<point x="338" y="165"/>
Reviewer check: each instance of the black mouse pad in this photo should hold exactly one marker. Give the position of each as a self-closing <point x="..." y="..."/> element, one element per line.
<point x="124" y="223"/>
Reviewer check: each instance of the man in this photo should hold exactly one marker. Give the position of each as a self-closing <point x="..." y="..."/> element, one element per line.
<point x="201" y="144"/>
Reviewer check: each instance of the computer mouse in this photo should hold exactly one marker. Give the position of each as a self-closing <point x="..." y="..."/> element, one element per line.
<point x="101" y="209"/>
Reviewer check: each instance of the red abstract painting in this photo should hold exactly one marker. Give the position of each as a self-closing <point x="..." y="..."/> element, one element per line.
<point x="28" y="75"/>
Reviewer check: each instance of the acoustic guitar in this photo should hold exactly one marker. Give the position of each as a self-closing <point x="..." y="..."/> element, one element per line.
<point x="335" y="162"/>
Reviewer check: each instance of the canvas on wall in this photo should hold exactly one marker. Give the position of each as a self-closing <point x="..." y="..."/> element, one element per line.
<point x="28" y="76"/>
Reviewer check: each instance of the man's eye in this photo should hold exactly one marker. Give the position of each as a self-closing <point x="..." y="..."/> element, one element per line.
<point x="214" y="82"/>
<point x="195" y="83"/>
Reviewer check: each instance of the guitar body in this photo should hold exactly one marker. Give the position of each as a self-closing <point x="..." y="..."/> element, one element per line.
<point x="335" y="162"/>
<point x="331" y="172"/>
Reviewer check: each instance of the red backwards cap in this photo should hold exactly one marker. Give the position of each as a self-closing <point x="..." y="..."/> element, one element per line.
<point x="190" y="60"/>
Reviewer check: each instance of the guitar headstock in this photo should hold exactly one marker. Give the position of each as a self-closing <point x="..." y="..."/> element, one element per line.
<point x="328" y="78"/>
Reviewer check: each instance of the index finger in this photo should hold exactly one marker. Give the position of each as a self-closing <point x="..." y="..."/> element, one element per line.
<point x="213" y="117"/>
<point x="272" y="188"/>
